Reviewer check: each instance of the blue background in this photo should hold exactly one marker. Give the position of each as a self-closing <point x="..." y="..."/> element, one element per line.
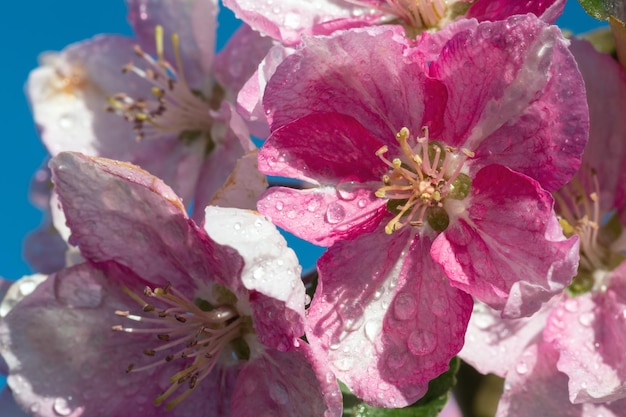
<point x="31" y="27"/>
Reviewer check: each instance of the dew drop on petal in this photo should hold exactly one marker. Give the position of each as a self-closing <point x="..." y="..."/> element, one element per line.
<point x="279" y="205"/>
<point x="585" y="319"/>
<point x="344" y="364"/>
<point x="313" y="205"/>
<point x="404" y="306"/>
<point x="571" y="305"/>
<point x="237" y="226"/>
<point x="335" y="213"/>
<point x="258" y="273"/>
<point x="66" y="121"/>
<point x="279" y="394"/>
<point x="61" y="407"/>
<point x="422" y="342"/>
<point x="521" y="368"/>
<point x="347" y="190"/>
<point x="362" y="203"/>
<point x="396" y="360"/>
<point x="439" y="306"/>
<point x="372" y="329"/>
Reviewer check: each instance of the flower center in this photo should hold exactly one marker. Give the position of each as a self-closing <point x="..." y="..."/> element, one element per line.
<point x="419" y="14"/>
<point x="420" y="180"/>
<point x="175" y="107"/>
<point x="579" y="211"/>
<point x="194" y="334"/>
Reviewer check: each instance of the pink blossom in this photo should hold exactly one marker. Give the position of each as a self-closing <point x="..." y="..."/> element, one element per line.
<point x="176" y="95"/>
<point x="576" y="344"/>
<point x="428" y="185"/>
<point x="288" y="20"/>
<point x="206" y="320"/>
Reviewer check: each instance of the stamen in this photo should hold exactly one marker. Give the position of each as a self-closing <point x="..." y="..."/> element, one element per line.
<point x="195" y="335"/>
<point x="416" y="186"/>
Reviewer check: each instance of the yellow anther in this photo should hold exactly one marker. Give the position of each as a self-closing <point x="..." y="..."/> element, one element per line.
<point x="403" y="134"/>
<point x="467" y="152"/>
<point x="383" y="149"/>
<point x="568" y="230"/>
<point x="158" y="38"/>
<point x="397" y="163"/>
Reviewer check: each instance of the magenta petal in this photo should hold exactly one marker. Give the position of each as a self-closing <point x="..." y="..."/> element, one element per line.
<point x="589" y="333"/>
<point x="195" y="22"/>
<point x="537" y="108"/>
<point x="52" y="372"/>
<point x="300" y="150"/>
<point x="379" y="316"/>
<point x="508" y="250"/>
<point x="286" y="384"/>
<point x="547" y="10"/>
<point x="117" y="211"/>
<point x="319" y="216"/>
<point x="360" y="73"/>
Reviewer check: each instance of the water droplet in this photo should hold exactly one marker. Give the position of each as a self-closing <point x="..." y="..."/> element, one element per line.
<point x="66" y="121"/>
<point x="396" y="360"/>
<point x="439" y="306"/>
<point x="278" y="392"/>
<point x="347" y="190"/>
<point x="362" y="202"/>
<point x="292" y="20"/>
<point x="258" y="273"/>
<point x="521" y="368"/>
<point x="344" y="364"/>
<point x="335" y="213"/>
<point x="586" y="319"/>
<point x="61" y="407"/>
<point x="307" y="299"/>
<point x="481" y="320"/>
<point x="422" y="342"/>
<point x="379" y="293"/>
<point x="237" y="226"/>
<point x="313" y="205"/>
<point x="279" y="205"/>
<point x="34" y="407"/>
<point x="334" y="346"/>
<point x="404" y="306"/>
<point x="372" y="328"/>
<point x="571" y="305"/>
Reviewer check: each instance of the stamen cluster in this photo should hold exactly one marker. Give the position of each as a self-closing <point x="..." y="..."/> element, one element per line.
<point x="198" y="331"/>
<point x="176" y="108"/>
<point x="419" y="181"/>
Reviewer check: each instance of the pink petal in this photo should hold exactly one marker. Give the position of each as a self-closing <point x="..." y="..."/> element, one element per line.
<point x="270" y="278"/>
<point x="359" y="73"/>
<point x="508" y="249"/>
<point x="493" y="344"/>
<point x="588" y="331"/>
<point x="320" y="216"/>
<point x="547" y="10"/>
<point x="195" y="22"/>
<point x="300" y="150"/>
<point x="379" y="316"/>
<point x="286" y="384"/>
<point x="243" y="187"/>
<point x="239" y="59"/>
<point x="117" y="211"/>
<point x="514" y="93"/>
<point x="288" y="20"/>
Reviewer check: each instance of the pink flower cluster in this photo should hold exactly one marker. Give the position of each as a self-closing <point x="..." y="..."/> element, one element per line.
<point x="435" y="148"/>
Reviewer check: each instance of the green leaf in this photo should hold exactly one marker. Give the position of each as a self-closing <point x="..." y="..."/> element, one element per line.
<point x="429" y="406"/>
<point x="602" y="9"/>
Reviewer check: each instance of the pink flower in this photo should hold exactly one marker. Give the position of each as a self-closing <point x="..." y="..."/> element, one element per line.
<point x="175" y="95"/>
<point x="288" y="20"/>
<point x="206" y="319"/>
<point x="422" y="175"/>
<point x="575" y="345"/>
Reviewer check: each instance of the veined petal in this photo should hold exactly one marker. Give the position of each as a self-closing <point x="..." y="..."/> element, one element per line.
<point x="300" y="150"/>
<point x="507" y="249"/>
<point x="288" y="20"/>
<point x="270" y="278"/>
<point x="379" y="316"/>
<point x="493" y="344"/>
<point x="547" y="10"/>
<point x="243" y="187"/>
<point x="116" y="211"/>
<point x="320" y="216"/>
<point x="286" y="384"/>
<point x="362" y="73"/>
<point x="588" y="332"/>
<point x="195" y="22"/>
<point x="514" y="91"/>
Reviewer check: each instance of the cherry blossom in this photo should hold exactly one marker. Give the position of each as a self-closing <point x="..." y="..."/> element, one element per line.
<point x="423" y="185"/>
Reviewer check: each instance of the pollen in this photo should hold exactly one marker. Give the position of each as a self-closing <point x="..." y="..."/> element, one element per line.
<point x="189" y="334"/>
<point x="420" y="179"/>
